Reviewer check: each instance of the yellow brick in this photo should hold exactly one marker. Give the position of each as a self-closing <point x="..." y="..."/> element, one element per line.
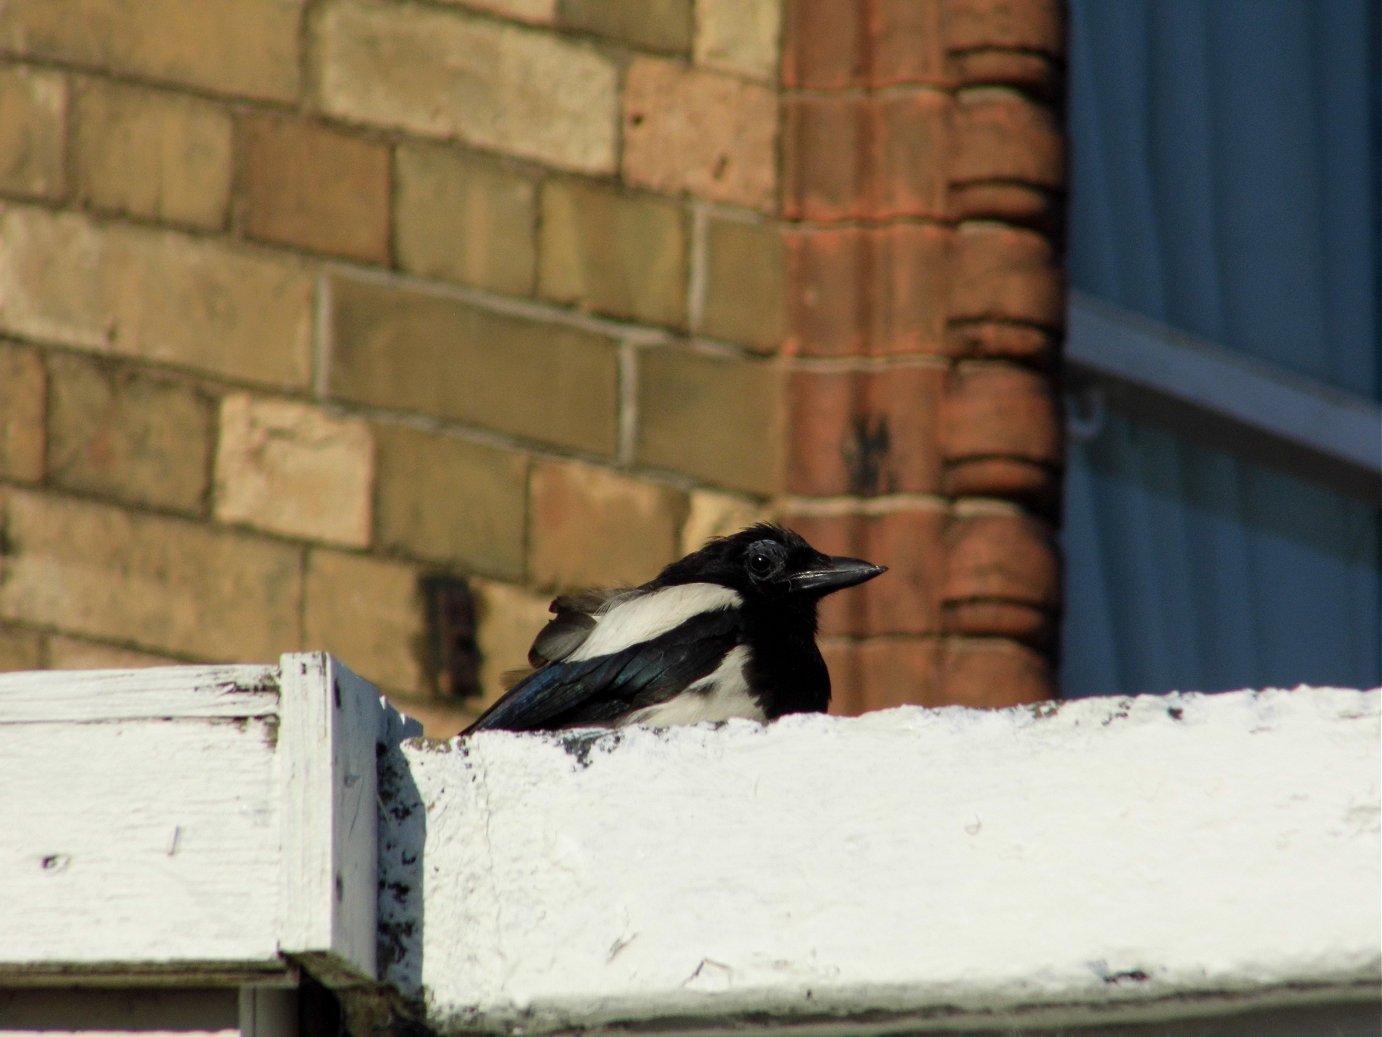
<point x="507" y="619"/>
<point x="450" y="501"/>
<point x="646" y="24"/>
<point x="368" y="612"/>
<point x="154" y="295"/>
<point x="717" y="418"/>
<point x="33" y="120"/>
<point x="169" y="585"/>
<point x="613" y="253"/>
<point x="714" y="514"/>
<point x="120" y="434"/>
<point x="596" y="527"/>
<point x="291" y="468"/>
<point x="465" y="219"/>
<point x="712" y="135"/>
<point x="446" y="74"/>
<point x="535" y="11"/>
<point x="20" y="650"/>
<point x="241" y="47"/>
<point x="152" y="154"/>
<point x="22" y="393"/>
<point x="740" y="36"/>
<point x="407" y="349"/>
<point x="72" y="653"/>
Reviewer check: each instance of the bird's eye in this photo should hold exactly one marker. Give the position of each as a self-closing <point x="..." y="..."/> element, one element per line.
<point x="764" y="559"/>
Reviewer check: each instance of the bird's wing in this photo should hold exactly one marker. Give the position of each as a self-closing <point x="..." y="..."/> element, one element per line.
<point x="604" y="688"/>
<point x="572" y="622"/>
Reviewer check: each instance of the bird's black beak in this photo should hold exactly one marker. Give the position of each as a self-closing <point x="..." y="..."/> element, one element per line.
<point x="835" y="574"/>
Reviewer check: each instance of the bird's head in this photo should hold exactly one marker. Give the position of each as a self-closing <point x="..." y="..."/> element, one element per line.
<point x="769" y="561"/>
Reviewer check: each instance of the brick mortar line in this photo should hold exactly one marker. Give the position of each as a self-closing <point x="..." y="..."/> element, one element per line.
<point x="531" y="309"/>
<point x="830" y="507"/>
<point x="869" y="364"/>
<point x="122" y="644"/>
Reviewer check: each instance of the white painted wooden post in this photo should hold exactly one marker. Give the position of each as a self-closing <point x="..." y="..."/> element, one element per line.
<point x="190" y="827"/>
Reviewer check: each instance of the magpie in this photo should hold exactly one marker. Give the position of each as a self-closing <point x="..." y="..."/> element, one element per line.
<point x="728" y="631"/>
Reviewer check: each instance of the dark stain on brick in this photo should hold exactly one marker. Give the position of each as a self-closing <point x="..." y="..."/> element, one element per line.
<point x="866" y="453"/>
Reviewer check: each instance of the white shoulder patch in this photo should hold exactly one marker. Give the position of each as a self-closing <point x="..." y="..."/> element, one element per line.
<point x="721" y="695"/>
<point x="630" y="620"/>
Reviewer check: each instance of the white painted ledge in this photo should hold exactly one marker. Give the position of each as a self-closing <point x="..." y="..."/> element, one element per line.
<point x="208" y="825"/>
<point x="1104" y="860"/>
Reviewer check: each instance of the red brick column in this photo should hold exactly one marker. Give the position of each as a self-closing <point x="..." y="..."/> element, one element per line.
<point x="923" y="174"/>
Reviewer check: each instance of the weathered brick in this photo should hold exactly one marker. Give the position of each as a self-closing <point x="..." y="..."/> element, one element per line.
<point x="451" y="501"/>
<point x="907" y="42"/>
<point x="312" y="186"/>
<point x="707" y="134"/>
<point x="910" y="154"/>
<point x="825" y="44"/>
<point x="538" y="12"/>
<point x="713" y="514"/>
<point x="1006" y="619"/>
<point x="1003" y="558"/>
<point x="894" y="671"/>
<point x="22" y="395"/>
<point x="369" y="612"/>
<point x="739" y="36"/>
<point x="596" y="527"/>
<point x="1007" y="274"/>
<point x="827" y="141"/>
<point x="1039" y="75"/>
<point x="20" y="650"/>
<point x="650" y="24"/>
<point x="992" y="673"/>
<point x="1031" y="25"/>
<point x="167" y="584"/>
<point x="714" y="417"/>
<point x="33" y="121"/>
<point x="908" y="279"/>
<point x="998" y="410"/>
<point x="880" y="291"/>
<point x="828" y="270"/>
<point x="1040" y="208"/>
<point x="613" y="253"/>
<point x="507" y="618"/>
<point x="154" y="295"/>
<point x="1001" y="135"/>
<point x="121" y="434"/>
<point x="291" y="468"/>
<point x="745" y="284"/>
<point x="904" y="600"/>
<point x="465" y="219"/>
<point x="864" y="433"/>
<point x="240" y="47"/>
<point x="444" y="74"/>
<point x="74" y="653"/>
<point x="412" y="350"/>
<point x="998" y="341"/>
<point x="152" y="154"/>
<point x="1036" y="485"/>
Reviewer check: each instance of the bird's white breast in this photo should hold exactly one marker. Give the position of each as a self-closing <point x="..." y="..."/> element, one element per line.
<point x="632" y="620"/>
<point x="720" y="695"/>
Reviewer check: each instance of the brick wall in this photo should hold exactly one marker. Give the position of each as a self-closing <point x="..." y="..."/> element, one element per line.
<point x="305" y="302"/>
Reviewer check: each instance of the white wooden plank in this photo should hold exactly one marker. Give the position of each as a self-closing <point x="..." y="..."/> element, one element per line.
<point x="140" y="843"/>
<point x="331" y="723"/>
<point x="1079" y="862"/>
<point x="159" y="691"/>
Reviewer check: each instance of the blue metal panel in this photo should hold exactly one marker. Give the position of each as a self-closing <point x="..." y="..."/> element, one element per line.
<point x="1224" y="181"/>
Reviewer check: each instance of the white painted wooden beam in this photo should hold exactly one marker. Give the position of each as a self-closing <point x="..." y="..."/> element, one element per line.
<point x="1093" y="861"/>
<point x="207" y="824"/>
